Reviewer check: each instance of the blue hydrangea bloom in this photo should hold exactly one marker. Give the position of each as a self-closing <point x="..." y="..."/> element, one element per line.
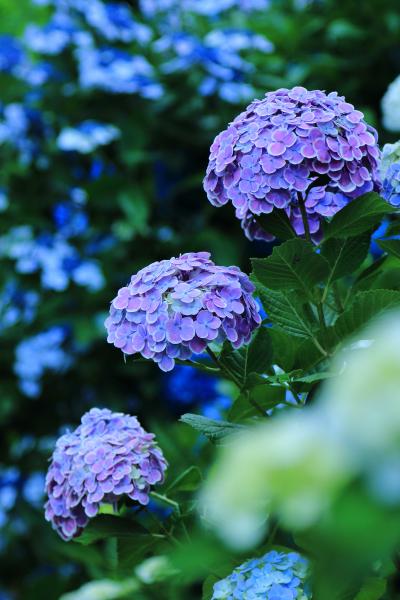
<point x="293" y="144"/>
<point x="86" y="137"/>
<point x="278" y="575"/>
<point x="9" y="484"/>
<point x="218" y="54"/>
<point x="24" y="129"/>
<point x="70" y="218"/>
<point x="209" y="8"/>
<point x="116" y="71"/>
<point x="40" y="353"/>
<point x="11" y="53"/>
<point x="175" y="308"/>
<point x="107" y="457"/>
<point x="188" y="388"/>
<point x="391" y="184"/>
<point x="53" y="256"/>
<point x="33" y="488"/>
<point x="17" y="306"/>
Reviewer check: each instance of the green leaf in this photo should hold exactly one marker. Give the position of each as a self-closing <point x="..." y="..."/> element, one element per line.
<point x="188" y="481"/>
<point x="267" y="397"/>
<point x="255" y="357"/>
<point x="365" y="306"/>
<point x="135" y="549"/>
<point x="345" y="255"/>
<point x="293" y="265"/>
<point x="373" y="589"/>
<point x="358" y="216"/>
<point x="106" y="526"/>
<point x="212" y="429"/>
<point x="392" y="247"/>
<point x="314" y="377"/>
<point x="278" y="224"/>
<point x="285" y="348"/>
<point x="286" y="311"/>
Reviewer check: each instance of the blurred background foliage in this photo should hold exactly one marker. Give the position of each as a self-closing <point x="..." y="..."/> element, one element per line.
<point x="82" y="211"/>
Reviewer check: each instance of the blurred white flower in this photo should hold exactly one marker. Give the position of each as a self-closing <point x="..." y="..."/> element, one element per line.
<point x="391" y="106"/>
<point x="104" y="589"/>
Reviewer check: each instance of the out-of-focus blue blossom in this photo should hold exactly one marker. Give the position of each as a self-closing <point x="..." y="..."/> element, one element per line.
<point x="11" y="53"/>
<point x="210" y="8"/>
<point x="380" y="234"/>
<point x="70" y="219"/>
<point x="219" y="54"/>
<point x="188" y="388"/>
<point x="115" y="22"/>
<point x="86" y="137"/>
<point x="3" y="200"/>
<point x="391" y="185"/>
<point x="53" y="256"/>
<point x="33" y="489"/>
<point x="9" y="482"/>
<point x="24" y="129"/>
<point x="117" y="72"/>
<point x="51" y="39"/>
<point x="38" y="354"/>
<point x="16" y="305"/>
<point x="276" y="576"/>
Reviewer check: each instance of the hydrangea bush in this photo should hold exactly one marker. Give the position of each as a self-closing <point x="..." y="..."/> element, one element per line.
<point x="107" y="114"/>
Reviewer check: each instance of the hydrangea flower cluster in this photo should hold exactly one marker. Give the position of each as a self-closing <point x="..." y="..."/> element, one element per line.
<point x="15" y="62"/>
<point x="40" y="353"/>
<point x="279" y="147"/>
<point x="10" y="479"/>
<point x="86" y="137"/>
<point x="17" y="305"/>
<point x="391" y="106"/>
<point x="107" y="457"/>
<point x="69" y="216"/>
<point x="117" y="72"/>
<point x="53" y="256"/>
<point x="77" y="24"/>
<point x="209" y="8"/>
<point x="174" y="308"/>
<point x="276" y="576"/>
<point x="23" y="128"/>
<point x="187" y="388"/>
<point x="391" y="185"/>
<point x="219" y="54"/>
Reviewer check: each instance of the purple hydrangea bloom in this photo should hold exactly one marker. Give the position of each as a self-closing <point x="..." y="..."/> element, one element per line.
<point x="174" y="308"/>
<point x="108" y="456"/>
<point x="293" y="144"/>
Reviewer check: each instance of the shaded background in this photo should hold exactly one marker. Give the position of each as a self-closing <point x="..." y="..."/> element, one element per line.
<point x="82" y="211"/>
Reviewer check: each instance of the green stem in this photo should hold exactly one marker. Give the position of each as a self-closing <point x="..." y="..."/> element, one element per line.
<point x="320" y="348"/>
<point x="337" y="297"/>
<point x="257" y="406"/>
<point x="321" y="316"/>
<point x="167" y="533"/>
<point x="304" y="217"/>
<point x="228" y="373"/>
